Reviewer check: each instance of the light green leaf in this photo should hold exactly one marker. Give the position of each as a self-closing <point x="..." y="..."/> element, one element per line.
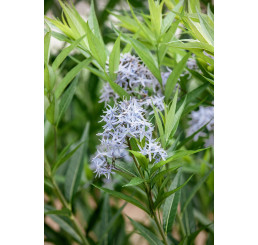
<point x="156" y="15"/>
<point x="166" y="39"/>
<point x="97" y="48"/>
<point x="134" y="181"/>
<point x="64" y="53"/>
<point x="192" y="45"/>
<point x="141" y="158"/>
<point x="114" y="59"/>
<point x="207" y="29"/>
<point x="147" y="58"/>
<point x="168" y="20"/>
<point x="62" y="212"/>
<point x="177" y="155"/>
<point x="69" y="77"/>
<point x="147" y="234"/>
<point x="47" y="47"/>
<point x="171" y="203"/>
<point x="51" y="112"/>
<point x="124" y="197"/>
<point x="175" y="74"/>
<point x="93" y="23"/>
<point x="75" y="168"/>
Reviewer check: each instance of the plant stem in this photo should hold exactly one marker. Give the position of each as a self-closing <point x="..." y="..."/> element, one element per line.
<point x="55" y="149"/>
<point x="149" y="196"/>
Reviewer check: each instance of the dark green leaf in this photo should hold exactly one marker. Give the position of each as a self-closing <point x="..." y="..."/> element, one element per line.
<point x="147" y="234"/>
<point x="171" y="203"/>
<point x="75" y="168"/>
<point x="124" y="197"/>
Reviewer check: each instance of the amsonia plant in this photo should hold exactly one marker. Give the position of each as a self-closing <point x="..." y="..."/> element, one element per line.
<point x="131" y="122"/>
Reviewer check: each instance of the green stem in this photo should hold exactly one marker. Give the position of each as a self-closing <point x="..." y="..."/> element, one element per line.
<point x="149" y="196"/>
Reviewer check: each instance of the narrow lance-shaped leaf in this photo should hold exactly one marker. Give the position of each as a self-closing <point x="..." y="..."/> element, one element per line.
<point x="69" y="77"/>
<point x="67" y="98"/>
<point x="177" y="155"/>
<point x="124" y="197"/>
<point x="156" y="15"/>
<point x="134" y="181"/>
<point x="168" y="20"/>
<point x="97" y="48"/>
<point x="93" y="22"/>
<point x="147" y="58"/>
<point x="171" y="203"/>
<point x="141" y="158"/>
<point x="162" y="197"/>
<point x="47" y="47"/>
<point x="114" y="59"/>
<point x="147" y="234"/>
<point x="74" y="171"/>
<point x="64" y="53"/>
<point x="175" y="74"/>
<point x="195" y="189"/>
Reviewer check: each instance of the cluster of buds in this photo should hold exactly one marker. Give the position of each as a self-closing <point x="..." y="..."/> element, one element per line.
<point x="122" y="122"/>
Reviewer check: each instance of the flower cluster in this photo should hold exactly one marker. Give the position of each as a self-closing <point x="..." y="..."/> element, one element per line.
<point x="200" y="118"/>
<point x="135" y="78"/>
<point x="122" y="122"/>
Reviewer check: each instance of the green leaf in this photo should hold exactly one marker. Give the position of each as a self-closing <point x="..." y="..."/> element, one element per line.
<point x="69" y="77"/>
<point x="147" y="58"/>
<point x="134" y="181"/>
<point x="111" y="223"/>
<point x="177" y="155"/>
<point x="67" y="98"/>
<point x="141" y="158"/>
<point x="114" y="59"/>
<point x="192" y="45"/>
<point x="170" y="118"/>
<point x="119" y="90"/>
<point x="195" y="189"/>
<point x="175" y="74"/>
<point x="168" y="20"/>
<point x="75" y="168"/>
<point x="166" y="39"/>
<point x="66" y="157"/>
<point x="49" y="77"/>
<point x="161" y="174"/>
<point x="124" y="197"/>
<point x="207" y="29"/>
<point x="162" y="197"/>
<point x="64" y="223"/>
<point x="47" y="47"/>
<point x="93" y="23"/>
<point x="160" y="126"/>
<point x="97" y="48"/>
<point x="64" y="53"/>
<point x="156" y="15"/>
<point x="189" y="97"/>
<point x="62" y="212"/>
<point x="171" y="203"/>
<point x="147" y="234"/>
<point x="51" y="112"/>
